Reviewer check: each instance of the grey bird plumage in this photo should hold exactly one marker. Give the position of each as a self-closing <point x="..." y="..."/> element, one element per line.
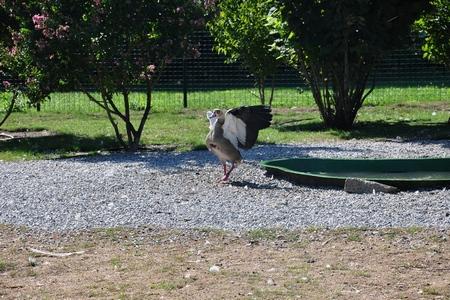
<point x="236" y="128"/>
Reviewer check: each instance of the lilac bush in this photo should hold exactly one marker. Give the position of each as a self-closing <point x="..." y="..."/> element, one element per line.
<point x="111" y="46"/>
<point x="18" y="63"/>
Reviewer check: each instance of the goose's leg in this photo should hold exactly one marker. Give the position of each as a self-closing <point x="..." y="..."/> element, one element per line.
<point x="224" y="164"/>
<point x="227" y="174"/>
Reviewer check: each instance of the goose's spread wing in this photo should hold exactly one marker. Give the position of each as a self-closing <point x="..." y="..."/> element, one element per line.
<point x="242" y="124"/>
<point x="234" y="130"/>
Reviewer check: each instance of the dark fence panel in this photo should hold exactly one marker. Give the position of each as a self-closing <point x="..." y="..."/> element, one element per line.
<point x="209" y="82"/>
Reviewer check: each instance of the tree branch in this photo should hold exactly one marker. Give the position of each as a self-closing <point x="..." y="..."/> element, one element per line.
<point x="92" y="98"/>
<point x="148" y="104"/>
<point x="129" y="126"/>
<point x="10" y="108"/>
<point x="111" y="119"/>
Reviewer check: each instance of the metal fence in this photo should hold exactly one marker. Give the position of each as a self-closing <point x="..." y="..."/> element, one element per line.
<point x="209" y="82"/>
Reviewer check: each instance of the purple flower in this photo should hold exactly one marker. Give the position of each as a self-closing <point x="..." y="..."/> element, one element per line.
<point x="48" y="32"/>
<point x="13" y="51"/>
<point x="39" y="21"/>
<point x="151" y="69"/>
<point x="62" y="31"/>
<point x="6" y="84"/>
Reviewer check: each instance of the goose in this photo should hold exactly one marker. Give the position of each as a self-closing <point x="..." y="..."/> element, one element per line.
<point x="236" y="128"/>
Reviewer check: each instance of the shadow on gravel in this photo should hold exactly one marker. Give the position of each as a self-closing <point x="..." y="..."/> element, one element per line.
<point x="169" y="160"/>
<point x="199" y="159"/>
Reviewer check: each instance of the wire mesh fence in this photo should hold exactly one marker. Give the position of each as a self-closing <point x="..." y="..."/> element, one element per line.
<point x="208" y="82"/>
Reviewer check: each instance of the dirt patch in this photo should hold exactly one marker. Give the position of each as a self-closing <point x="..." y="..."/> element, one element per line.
<point x="205" y="264"/>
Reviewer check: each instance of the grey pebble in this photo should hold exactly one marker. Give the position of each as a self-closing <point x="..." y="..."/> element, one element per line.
<point x="179" y="190"/>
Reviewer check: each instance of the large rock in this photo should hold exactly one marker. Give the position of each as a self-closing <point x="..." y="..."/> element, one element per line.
<point x="360" y="186"/>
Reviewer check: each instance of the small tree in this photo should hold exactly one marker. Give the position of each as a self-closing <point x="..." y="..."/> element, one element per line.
<point x="241" y="33"/>
<point x="18" y="66"/>
<point x="435" y="26"/>
<point x="335" y="44"/>
<point x="112" y="46"/>
<point x="6" y="21"/>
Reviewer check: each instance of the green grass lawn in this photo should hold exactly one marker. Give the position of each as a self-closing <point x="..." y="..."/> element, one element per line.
<point x="172" y="101"/>
<point x="186" y="129"/>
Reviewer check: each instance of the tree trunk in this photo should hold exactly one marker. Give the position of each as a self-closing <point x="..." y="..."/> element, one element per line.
<point x="107" y="100"/>
<point x="136" y="134"/>
<point x="340" y="99"/>
<point x="272" y="89"/>
<point x="10" y="108"/>
<point x="133" y="135"/>
<point x="128" y="125"/>
<point x="261" y="87"/>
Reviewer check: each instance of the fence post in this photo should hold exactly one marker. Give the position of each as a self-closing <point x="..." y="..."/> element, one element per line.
<point x="185" y="104"/>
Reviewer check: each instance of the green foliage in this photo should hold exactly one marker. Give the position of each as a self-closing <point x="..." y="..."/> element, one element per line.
<point x="20" y="104"/>
<point x="18" y="62"/>
<point x="435" y="27"/>
<point x="241" y="32"/>
<point x="111" y="45"/>
<point x="118" y="43"/>
<point x="335" y="44"/>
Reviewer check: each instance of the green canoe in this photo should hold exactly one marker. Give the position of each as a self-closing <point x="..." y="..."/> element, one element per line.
<point x="401" y="173"/>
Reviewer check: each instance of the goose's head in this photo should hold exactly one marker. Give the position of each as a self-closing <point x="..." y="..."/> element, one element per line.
<point x="213" y="117"/>
<point x="219" y="114"/>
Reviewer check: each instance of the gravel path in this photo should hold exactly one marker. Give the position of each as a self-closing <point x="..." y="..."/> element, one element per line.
<point x="178" y="190"/>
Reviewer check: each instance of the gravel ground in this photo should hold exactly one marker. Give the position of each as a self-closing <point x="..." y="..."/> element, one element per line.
<point x="179" y="190"/>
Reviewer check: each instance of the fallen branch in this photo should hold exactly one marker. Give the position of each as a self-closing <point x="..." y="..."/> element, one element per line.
<point x="43" y="252"/>
<point x="7" y="136"/>
<point x="327" y="241"/>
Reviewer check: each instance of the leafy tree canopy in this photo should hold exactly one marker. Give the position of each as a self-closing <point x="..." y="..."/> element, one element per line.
<point x="110" y="45"/>
<point x="19" y="66"/>
<point x="241" y="33"/>
<point x="435" y="27"/>
<point x="335" y="44"/>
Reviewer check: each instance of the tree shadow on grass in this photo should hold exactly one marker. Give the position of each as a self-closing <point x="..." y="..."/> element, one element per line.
<point x="404" y="130"/>
<point x="378" y="130"/>
<point x="57" y="143"/>
<point x="300" y="125"/>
